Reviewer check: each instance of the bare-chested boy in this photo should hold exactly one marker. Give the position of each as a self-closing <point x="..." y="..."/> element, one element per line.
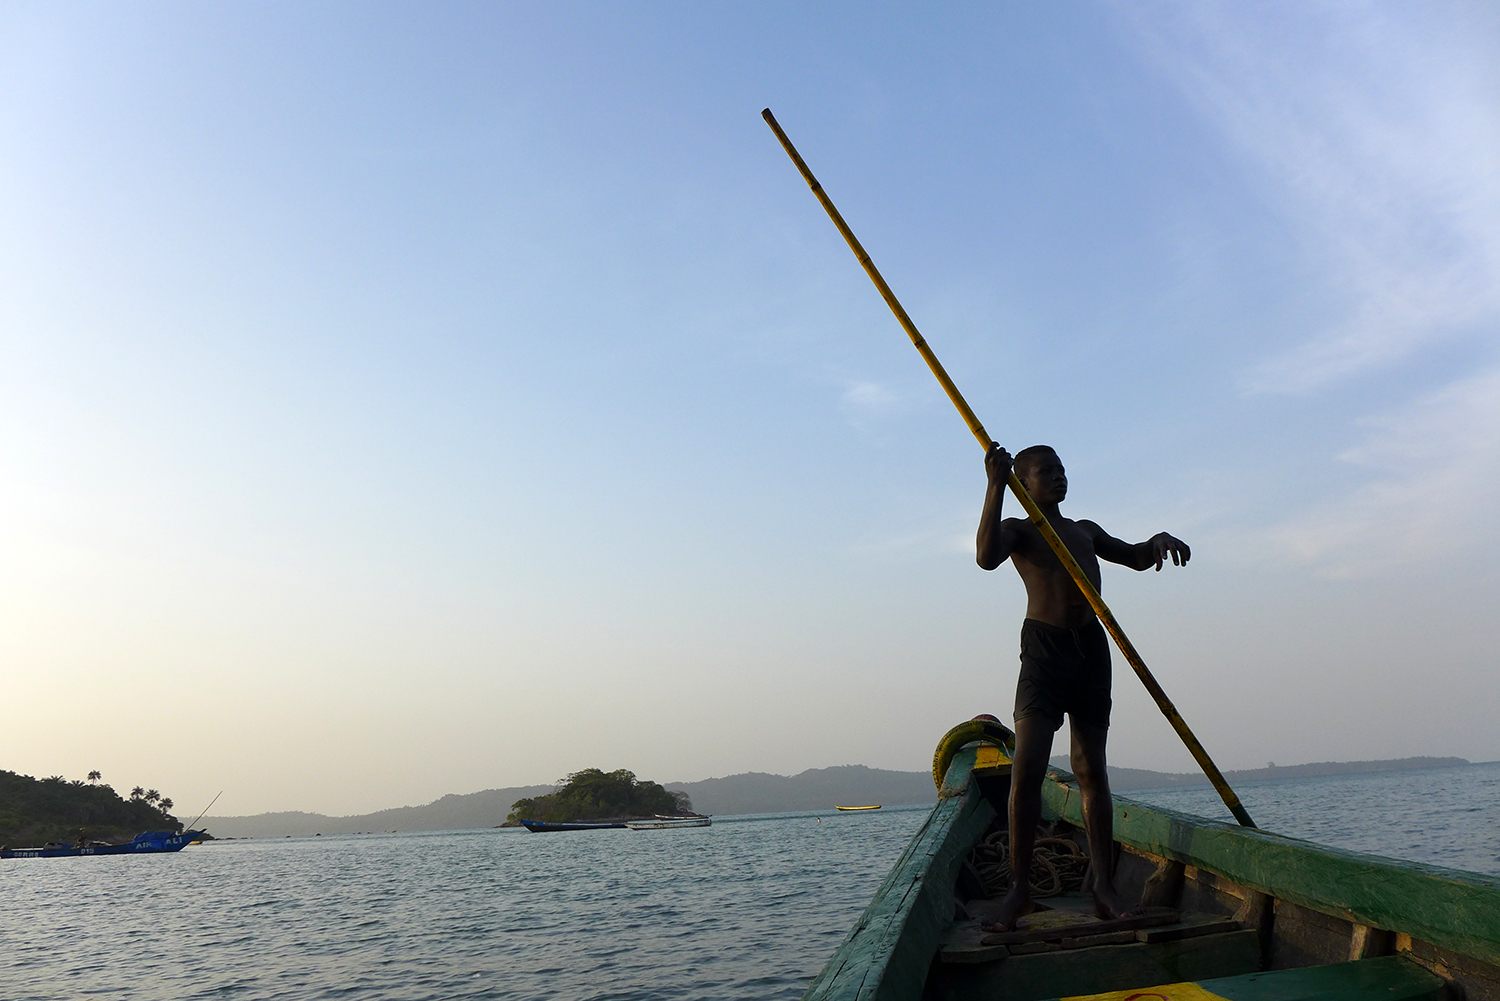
<point x="1064" y="663"/>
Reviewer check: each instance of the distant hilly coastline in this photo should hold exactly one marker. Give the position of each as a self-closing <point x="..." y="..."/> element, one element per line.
<point x="451" y="813"/>
<point x="1121" y="779"/>
<point x="814" y="789"/>
<point x="750" y="792"/>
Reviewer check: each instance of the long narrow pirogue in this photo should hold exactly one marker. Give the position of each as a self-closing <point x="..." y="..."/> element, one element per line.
<point x="149" y="842"/>
<point x="1230" y="912"/>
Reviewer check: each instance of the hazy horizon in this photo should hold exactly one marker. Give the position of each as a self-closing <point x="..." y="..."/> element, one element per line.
<point x="397" y="399"/>
<point x="671" y="783"/>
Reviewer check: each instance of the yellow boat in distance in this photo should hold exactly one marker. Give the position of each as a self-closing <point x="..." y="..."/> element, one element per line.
<point x="847" y="808"/>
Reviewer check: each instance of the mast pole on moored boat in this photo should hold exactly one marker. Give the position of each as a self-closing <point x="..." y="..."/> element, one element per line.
<point x="210" y="806"/>
<point x="1019" y="489"/>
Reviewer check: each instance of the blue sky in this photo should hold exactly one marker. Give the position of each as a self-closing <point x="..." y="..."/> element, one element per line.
<point x="401" y="400"/>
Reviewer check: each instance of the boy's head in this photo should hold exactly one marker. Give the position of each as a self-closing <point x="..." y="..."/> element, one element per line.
<point x="1039" y="467"/>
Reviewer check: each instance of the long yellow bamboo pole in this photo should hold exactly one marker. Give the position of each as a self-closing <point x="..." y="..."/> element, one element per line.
<point x="1019" y="489"/>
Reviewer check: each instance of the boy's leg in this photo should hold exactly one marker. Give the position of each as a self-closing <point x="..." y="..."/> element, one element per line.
<point x="1087" y="759"/>
<point x="1029" y="767"/>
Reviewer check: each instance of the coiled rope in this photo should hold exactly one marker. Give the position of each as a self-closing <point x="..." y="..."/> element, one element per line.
<point x="1058" y="865"/>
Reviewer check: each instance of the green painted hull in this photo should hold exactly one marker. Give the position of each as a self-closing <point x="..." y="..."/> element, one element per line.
<point x="887" y="953"/>
<point x="1306" y="914"/>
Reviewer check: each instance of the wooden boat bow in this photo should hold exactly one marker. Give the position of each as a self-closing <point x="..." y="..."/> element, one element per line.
<point x="1242" y="914"/>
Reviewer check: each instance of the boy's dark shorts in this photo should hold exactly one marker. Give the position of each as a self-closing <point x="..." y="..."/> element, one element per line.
<point x="1064" y="671"/>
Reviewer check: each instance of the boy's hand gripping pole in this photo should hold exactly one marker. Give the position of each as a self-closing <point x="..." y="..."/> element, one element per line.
<point x="1019" y="489"/>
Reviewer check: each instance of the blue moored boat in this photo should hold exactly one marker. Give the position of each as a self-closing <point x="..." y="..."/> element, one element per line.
<point x="150" y="841"/>
<point x="546" y="826"/>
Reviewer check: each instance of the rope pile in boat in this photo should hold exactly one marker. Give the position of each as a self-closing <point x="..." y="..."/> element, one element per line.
<point x="1058" y="865"/>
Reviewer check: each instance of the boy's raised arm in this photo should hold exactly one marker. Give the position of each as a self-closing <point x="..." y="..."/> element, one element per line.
<point x="1155" y="551"/>
<point x="996" y="540"/>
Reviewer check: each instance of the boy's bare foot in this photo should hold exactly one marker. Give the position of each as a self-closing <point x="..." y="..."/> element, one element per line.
<point x="1016" y="905"/>
<point x="1109" y="904"/>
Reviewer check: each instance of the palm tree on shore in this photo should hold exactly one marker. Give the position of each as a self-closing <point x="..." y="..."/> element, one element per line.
<point x="94" y="777"/>
<point x="152" y="795"/>
<point x="166" y="804"/>
<point x="137" y="792"/>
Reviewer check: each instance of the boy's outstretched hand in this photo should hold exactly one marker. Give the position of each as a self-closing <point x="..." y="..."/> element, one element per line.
<point x="1164" y="545"/>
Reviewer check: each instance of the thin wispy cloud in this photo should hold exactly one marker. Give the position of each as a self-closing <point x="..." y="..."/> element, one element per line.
<point x="867" y="395"/>
<point x="863" y="399"/>
<point x="1436" y="471"/>
<point x="1374" y="131"/>
<point x="952" y="538"/>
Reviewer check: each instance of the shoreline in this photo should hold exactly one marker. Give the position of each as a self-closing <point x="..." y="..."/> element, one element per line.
<point x="753" y="794"/>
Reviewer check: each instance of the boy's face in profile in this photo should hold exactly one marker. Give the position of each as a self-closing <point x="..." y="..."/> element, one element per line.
<point x="1045" y="478"/>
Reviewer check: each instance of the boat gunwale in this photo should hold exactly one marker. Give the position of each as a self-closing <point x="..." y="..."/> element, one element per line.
<point x="1450" y="908"/>
<point x="887" y="952"/>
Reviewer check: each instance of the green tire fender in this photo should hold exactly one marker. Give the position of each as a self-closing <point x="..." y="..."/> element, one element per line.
<point x="984" y="729"/>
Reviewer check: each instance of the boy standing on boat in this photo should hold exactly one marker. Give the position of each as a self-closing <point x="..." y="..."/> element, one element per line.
<point x="1064" y="663"/>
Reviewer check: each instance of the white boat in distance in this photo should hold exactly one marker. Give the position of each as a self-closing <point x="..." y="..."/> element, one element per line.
<point x="664" y="823"/>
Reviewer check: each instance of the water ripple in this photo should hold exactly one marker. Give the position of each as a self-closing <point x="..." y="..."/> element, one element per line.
<point x="748" y="908"/>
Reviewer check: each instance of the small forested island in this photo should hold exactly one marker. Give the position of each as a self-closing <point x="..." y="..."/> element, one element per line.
<point x="593" y="794"/>
<point x="35" y="811"/>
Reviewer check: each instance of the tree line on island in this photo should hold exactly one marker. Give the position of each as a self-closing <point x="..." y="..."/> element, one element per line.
<point x="35" y="811"/>
<point x="594" y="794"/>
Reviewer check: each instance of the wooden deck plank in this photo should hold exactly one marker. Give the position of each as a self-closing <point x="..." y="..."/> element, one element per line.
<point x="966" y="942"/>
<point x="1071" y="926"/>
<point x="1212" y="926"/>
<point x="1100" y="968"/>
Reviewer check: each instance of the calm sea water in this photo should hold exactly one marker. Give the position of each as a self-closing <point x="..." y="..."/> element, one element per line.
<point x="1442" y="816"/>
<point x="748" y="908"/>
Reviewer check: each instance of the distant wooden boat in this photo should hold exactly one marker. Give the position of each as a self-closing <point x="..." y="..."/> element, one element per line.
<point x="668" y="823"/>
<point x="548" y="827"/>
<point x="149" y="842"/>
<point x="851" y="809"/>
<point x="1228" y="912"/>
